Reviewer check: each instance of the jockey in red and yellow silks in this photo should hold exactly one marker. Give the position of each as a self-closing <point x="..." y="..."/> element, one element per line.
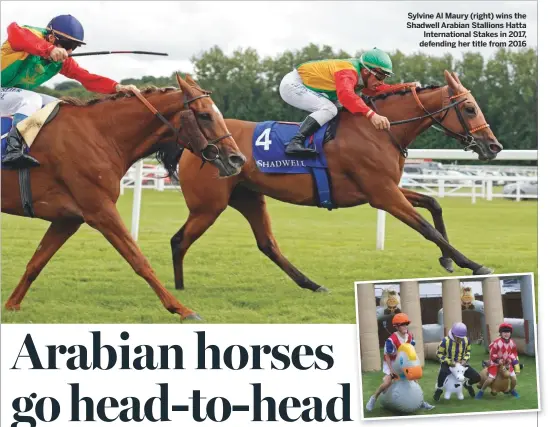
<point x="30" y="57"/>
<point x="317" y="86"/>
<point x="502" y="351"/>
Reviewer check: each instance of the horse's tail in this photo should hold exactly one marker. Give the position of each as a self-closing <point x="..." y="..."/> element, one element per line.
<point x="169" y="155"/>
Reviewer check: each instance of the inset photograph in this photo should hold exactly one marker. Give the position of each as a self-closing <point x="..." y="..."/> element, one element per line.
<point x="450" y="345"/>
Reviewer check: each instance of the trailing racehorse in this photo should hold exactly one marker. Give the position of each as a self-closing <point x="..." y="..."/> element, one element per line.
<point x="365" y="166"/>
<point x="87" y="149"/>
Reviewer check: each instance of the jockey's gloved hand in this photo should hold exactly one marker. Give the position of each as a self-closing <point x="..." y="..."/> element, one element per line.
<point x="126" y="88"/>
<point x="380" y="122"/>
<point x="58" y="54"/>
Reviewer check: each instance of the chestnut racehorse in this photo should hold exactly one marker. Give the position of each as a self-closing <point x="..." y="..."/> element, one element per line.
<point x="365" y="166"/>
<point x="87" y="149"/>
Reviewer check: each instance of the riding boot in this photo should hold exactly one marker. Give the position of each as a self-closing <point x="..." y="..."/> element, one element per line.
<point x="437" y="394"/>
<point x="15" y="157"/>
<point x="296" y="145"/>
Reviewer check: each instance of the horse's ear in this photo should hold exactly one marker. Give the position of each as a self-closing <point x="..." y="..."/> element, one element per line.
<point x="451" y="81"/>
<point x="456" y="77"/>
<point x="185" y="87"/>
<point x="190" y="80"/>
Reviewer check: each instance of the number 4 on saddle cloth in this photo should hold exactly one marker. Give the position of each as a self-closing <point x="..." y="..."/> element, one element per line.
<point x="269" y="141"/>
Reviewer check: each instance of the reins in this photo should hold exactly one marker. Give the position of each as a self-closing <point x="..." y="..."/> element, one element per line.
<point x="210" y="143"/>
<point x="466" y="138"/>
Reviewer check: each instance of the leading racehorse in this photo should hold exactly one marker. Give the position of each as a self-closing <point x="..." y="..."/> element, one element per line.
<point x="87" y="149"/>
<point x="365" y="166"/>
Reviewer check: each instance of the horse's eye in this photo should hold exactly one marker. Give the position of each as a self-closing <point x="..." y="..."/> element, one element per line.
<point x="204" y="116"/>
<point x="470" y="109"/>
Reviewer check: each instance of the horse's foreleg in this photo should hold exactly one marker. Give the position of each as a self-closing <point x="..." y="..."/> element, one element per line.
<point x="196" y="225"/>
<point x="109" y="223"/>
<point x="58" y="233"/>
<point x="393" y="201"/>
<point x="423" y="201"/>
<point x="253" y="207"/>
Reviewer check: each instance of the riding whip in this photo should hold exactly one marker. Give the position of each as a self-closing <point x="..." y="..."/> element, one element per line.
<point x="108" y="52"/>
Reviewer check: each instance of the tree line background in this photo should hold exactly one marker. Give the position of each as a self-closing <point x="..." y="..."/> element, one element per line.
<point x="245" y="86"/>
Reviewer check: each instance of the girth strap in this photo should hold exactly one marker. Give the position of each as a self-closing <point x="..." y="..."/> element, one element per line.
<point x="26" y="195"/>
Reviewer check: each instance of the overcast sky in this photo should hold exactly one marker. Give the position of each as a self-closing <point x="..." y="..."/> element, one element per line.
<point x="184" y="29"/>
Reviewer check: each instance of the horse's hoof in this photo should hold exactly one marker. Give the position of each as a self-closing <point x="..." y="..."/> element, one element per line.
<point x="13" y="307"/>
<point x="483" y="271"/>
<point x="193" y="316"/>
<point x="447" y="263"/>
<point x="322" y="289"/>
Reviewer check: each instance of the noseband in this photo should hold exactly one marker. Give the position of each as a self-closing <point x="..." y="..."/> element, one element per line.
<point x="466" y="138"/>
<point x="212" y="143"/>
<point x="177" y="133"/>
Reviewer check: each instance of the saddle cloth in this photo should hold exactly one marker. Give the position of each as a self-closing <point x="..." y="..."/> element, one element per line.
<point x="269" y="141"/>
<point x="31" y="126"/>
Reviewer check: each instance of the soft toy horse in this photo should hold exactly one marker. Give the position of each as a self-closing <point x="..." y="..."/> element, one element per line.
<point x="454" y="382"/>
<point x="502" y="380"/>
<point x="405" y="394"/>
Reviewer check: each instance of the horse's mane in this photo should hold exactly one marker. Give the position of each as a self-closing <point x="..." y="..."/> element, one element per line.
<point x="145" y="91"/>
<point x="402" y="90"/>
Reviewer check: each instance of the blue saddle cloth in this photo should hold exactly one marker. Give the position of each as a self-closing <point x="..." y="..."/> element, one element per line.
<point x="269" y="141"/>
<point x="6" y="126"/>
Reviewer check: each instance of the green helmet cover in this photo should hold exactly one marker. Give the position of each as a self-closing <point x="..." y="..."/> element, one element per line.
<point x="376" y="58"/>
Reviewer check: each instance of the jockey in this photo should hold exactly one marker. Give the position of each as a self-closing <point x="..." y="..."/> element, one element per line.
<point x="455" y="348"/>
<point x="502" y="351"/>
<point x="30" y="57"/>
<point x="402" y="335"/>
<point x="317" y="86"/>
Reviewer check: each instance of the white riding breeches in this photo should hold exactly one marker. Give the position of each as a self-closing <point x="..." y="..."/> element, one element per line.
<point x="20" y="101"/>
<point x="295" y="93"/>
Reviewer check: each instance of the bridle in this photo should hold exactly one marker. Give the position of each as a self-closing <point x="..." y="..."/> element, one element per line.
<point x="211" y="144"/>
<point x="466" y="138"/>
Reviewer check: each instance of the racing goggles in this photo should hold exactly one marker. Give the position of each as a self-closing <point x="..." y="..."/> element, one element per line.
<point x="66" y="44"/>
<point x="379" y="74"/>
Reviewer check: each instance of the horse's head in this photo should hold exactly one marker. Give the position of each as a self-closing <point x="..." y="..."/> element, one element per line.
<point x="458" y="372"/>
<point x="466" y="121"/>
<point x="504" y="371"/>
<point x="407" y="364"/>
<point x="219" y="148"/>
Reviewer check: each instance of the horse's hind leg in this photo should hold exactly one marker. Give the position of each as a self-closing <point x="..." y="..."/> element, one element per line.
<point x="393" y="201"/>
<point x="423" y="201"/>
<point x="56" y="236"/>
<point x="109" y="223"/>
<point x="253" y="207"/>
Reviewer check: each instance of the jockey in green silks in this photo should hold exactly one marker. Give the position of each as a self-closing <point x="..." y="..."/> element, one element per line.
<point x="317" y="86"/>
<point x="30" y="57"/>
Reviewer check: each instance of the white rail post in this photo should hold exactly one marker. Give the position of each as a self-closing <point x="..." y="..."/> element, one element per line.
<point x="518" y="191"/>
<point x="137" y="190"/>
<point x="381" y="222"/>
<point x="489" y="188"/>
<point x="473" y="192"/>
<point x="441" y="188"/>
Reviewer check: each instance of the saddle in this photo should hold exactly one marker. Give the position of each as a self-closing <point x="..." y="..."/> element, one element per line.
<point x="29" y="129"/>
